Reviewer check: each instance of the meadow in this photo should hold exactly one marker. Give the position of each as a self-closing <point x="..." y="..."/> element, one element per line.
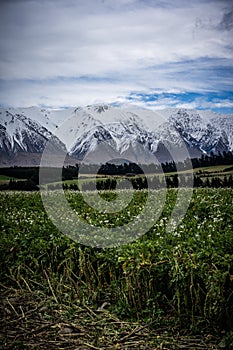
<point x="179" y="280"/>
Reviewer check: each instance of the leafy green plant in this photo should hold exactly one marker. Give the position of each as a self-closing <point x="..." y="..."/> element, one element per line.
<point x="184" y="276"/>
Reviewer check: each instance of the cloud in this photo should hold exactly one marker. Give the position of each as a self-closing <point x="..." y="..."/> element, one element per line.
<point x="227" y="21"/>
<point x="61" y="92"/>
<point x="77" y="51"/>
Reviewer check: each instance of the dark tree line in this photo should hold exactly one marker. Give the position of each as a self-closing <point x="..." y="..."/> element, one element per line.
<point x="121" y="169"/>
<point x="225" y="158"/>
<point x="153" y="182"/>
<point x="71" y="172"/>
<point x="22" y="173"/>
<point x="30" y="175"/>
<point x="21" y="185"/>
<point x="137" y="183"/>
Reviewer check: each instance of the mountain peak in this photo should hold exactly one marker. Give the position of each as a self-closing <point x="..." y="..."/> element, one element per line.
<point x="99" y="108"/>
<point x="119" y="132"/>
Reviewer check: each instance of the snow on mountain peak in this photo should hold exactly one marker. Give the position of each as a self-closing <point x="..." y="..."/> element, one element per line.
<point x="120" y="130"/>
<point x="99" y="108"/>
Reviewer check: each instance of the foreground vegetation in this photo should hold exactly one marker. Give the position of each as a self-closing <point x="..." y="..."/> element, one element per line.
<point x="180" y="280"/>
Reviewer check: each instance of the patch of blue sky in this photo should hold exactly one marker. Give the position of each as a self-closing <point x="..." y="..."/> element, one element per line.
<point x="218" y="101"/>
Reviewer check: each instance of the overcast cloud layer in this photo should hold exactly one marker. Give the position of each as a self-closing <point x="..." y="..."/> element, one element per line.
<point x="156" y="54"/>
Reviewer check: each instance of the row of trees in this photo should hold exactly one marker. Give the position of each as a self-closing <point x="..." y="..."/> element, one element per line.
<point x="20" y="185"/>
<point x="71" y="172"/>
<point x="30" y="175"/>
<point x="225" y="158"/>
<point x="154" y="182"/>
<point x="138" y="183"/>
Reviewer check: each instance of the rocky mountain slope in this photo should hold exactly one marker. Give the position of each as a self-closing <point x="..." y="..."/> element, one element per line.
<point x="98" y="133"/>
<point x="23" y="136"/>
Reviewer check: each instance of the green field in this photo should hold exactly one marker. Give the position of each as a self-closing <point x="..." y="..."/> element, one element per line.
<point x="4" y="179"/>
<point x="163" y="289"/>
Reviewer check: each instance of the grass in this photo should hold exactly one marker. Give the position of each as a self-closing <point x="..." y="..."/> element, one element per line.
<point x="5" y="179"/>
<point x="178" y="282"/>
<point x="214" y="168"/>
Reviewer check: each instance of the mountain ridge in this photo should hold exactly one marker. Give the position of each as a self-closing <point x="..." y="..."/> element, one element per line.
<point x="99" y="132"/>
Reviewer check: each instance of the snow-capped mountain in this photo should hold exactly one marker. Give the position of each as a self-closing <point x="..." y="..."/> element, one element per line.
<point x="24" y="134"/>
<point x="101" y="132"/>
<point x="98" y="133"/>
<point x="202" y="130"/>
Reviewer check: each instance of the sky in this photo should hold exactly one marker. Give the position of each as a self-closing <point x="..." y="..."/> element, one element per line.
<point x="148" y="53"/>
